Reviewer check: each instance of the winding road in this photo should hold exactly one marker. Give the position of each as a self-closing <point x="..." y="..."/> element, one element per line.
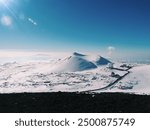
<point x="110" y="86"/>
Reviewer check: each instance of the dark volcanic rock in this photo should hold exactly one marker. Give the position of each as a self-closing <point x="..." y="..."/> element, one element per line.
<point x="73" y="102"/>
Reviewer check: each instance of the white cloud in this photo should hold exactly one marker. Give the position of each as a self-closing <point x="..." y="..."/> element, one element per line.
<point x="32" y="21"/>
<point x="111" y="49"/>
<point x="6" y="20"/>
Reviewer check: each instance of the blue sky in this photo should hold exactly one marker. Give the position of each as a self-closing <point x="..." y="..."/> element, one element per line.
<point x="86" y="25"/>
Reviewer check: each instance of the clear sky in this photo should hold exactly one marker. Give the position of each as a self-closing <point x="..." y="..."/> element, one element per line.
<point x="87" y="25"/>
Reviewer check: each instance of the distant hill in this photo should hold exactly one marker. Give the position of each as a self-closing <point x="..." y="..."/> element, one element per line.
<point x="80" y="62"/>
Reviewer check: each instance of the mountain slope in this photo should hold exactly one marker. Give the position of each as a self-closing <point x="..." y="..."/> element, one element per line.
<point x="80" y="62"/>
<point x="75" y="63"/>
<point x="138" y="81"/>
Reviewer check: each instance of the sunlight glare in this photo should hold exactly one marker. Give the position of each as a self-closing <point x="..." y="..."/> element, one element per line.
<point x="5" y="2"/>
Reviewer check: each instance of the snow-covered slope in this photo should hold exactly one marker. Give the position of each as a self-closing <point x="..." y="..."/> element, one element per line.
<point x="73" y="64"/>
<point x="97" y="60"/>
<point x="102" y="61"/>
<point x="138" y="81"/>
<point x="53" y="72"/>
<point x="77" y="72"/>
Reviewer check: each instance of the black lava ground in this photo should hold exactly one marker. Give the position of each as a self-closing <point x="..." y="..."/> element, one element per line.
<point x="74" y="103"/>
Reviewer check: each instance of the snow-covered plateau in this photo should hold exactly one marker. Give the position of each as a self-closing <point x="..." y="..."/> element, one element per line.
<point x="52" y="72"/>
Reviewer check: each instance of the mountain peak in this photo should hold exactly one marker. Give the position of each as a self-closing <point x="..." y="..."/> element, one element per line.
<point x="78" y="54"/>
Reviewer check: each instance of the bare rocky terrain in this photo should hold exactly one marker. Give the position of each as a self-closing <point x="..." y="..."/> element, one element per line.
<point x="74" y="103"/>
